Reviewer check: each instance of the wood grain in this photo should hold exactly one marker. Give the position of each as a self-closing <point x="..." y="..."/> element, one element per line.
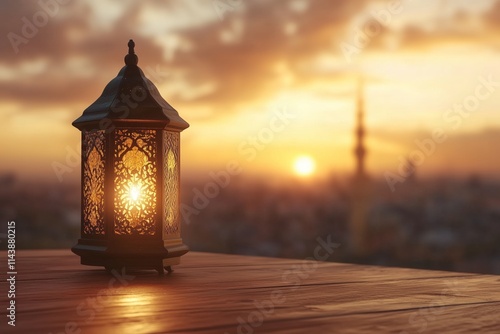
<point x="215" y="293"/>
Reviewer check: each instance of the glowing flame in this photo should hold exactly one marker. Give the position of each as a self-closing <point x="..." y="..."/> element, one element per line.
<point x="134" y="192"/>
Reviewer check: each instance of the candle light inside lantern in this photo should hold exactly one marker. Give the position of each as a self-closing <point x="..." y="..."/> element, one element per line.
<point x="134" y="193"/>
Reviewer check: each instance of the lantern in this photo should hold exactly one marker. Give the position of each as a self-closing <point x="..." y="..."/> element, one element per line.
<point x="130" y="176"/>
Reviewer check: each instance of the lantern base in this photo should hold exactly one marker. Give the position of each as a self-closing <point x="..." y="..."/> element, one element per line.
<point x="117" y="259"/>
<point x="159" y="266"/>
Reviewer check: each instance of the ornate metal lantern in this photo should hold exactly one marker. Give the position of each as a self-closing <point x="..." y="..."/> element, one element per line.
<point x="130" y="176"/>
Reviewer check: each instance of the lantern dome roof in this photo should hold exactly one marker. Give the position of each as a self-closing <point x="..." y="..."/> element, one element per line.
<point x="131" y="96"/>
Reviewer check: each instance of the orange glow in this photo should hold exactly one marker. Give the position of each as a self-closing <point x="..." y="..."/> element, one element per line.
<point x="427" y="60"/>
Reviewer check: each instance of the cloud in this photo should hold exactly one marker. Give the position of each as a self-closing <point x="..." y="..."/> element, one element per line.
<point x="452" y="24"/>
<point x="459" y="153"/>
<point x="254" y="52"/>
<point x="492" y="16"/>
<point x="71" y="35"/>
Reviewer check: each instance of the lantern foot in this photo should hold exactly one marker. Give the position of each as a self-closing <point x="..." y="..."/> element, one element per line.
<point x="161" y="271"/>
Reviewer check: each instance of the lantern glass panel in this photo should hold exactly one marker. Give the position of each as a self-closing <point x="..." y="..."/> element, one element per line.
<point x="171" y="145"/>
<point x="135" y="178"/>
<point x="93" y="149"/>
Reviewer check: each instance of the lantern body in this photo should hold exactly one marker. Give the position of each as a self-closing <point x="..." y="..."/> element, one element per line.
<point x="130" y="176"/>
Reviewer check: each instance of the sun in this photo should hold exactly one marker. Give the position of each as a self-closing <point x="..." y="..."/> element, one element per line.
<point x="304" y="166"/>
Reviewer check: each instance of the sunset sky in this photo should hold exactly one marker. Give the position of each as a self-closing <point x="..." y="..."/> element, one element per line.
<point x="231" y="67"/>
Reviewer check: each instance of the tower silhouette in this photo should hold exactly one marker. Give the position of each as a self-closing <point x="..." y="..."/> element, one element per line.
<point x="359" y="150"/>
<point x="360" y="182"/>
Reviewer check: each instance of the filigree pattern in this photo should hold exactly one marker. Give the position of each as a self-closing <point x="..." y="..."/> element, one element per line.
<point x="93" y="182"/>
<point x="171" y="148"/>
<point x="135" y="182"/>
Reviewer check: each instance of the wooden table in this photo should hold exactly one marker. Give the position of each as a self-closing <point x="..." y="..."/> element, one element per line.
<point x="214" y="293"/>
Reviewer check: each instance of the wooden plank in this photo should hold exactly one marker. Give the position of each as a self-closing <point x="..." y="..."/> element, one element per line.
<point x="217" y="293"/>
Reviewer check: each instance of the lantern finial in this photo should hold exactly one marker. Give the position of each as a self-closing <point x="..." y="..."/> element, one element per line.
<point x="131" y="58"/>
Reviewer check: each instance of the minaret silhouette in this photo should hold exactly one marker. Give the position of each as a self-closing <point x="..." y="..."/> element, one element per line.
<point x="359" y="150"/>
<point x="360" y="182"/>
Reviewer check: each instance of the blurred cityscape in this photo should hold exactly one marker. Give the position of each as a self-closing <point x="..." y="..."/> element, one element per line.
<point x="446" y="223"/>
<point x="441" y="223"/>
